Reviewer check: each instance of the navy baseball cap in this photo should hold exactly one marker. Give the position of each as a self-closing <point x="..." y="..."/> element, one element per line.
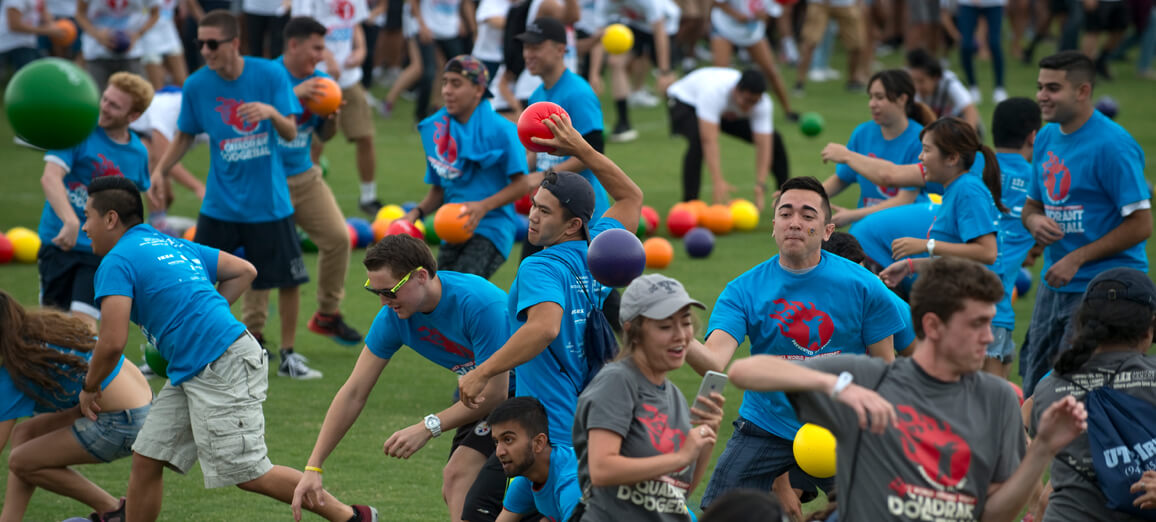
<point x="1122" y="283"/>
<point x="543" y="29"/>
<point x="574" y="193"/>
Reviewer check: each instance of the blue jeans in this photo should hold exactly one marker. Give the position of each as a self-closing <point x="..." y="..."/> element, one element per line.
<point x="1049" y="334"/>
<point x="111" y="435"/>
<point x="821" y="59"/>
<point x="968" y="19"/>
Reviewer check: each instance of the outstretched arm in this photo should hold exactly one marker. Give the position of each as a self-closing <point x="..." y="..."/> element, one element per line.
<point x="879" y="171"/>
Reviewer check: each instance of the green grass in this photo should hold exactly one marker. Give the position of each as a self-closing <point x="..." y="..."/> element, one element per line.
<point x="412" y="387"/>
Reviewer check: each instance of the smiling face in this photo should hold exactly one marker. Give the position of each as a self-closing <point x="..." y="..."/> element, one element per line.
<point x="115" y="108"/>
<point x="543" y="58"/>
<point x="924" y="83"/>
<point x="800" y="224"/>
<point x="306" y="52"/>
<point x="226" y="51"/>
<point x="937" y="166"/>
<point x="661" y="343"/>
<point x="1059" y="98"/>
<point x="885" y="112"/>
<point x="97" y="228"/>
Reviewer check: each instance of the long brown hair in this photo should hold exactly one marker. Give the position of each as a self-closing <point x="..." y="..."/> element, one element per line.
<point x="954" y="136"/>
<point x="898" y="82"/>
<point x="36" y="368"/>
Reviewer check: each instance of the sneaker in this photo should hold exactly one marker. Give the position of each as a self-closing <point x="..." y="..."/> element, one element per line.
<point x="623" y="133"/>
<point x="409" y="95"/>
<point x="689" y="64"/>
<point x="799" y="91"/>
<point x="384" y="109"/>
<point x="333" y="327"/>
<point x="641" y="98"/>
<point x="116" y="515"/>
<point x="369" y="99"/>
<point x="999" y="95"/>
<point x="816" y="76"/>
<point x="832" y="74"/>
<point x="365" y="513"/>
<point x="370" y="207"/>
<point x="293" y="366"/>
<point x="976" y="96"/>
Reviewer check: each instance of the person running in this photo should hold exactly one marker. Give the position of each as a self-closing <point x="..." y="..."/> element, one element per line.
<point x="929" y="433"/>
<point x="210" y="409"/>
<point x="65" y="260"/>
<point x="544" y="475"/>
<point x="456" y="321"/>
<point x="641" y="449"/>
<point x="45" y="356"/>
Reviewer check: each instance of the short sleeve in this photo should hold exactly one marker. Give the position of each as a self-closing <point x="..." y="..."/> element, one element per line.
<point x="1124" y="181"/>
<point x="63" y="157"/>
<point x="709" y="108"/>
<point x="284" y="100"/>
<point x="1013" y="441"/>
<point x="652" y="10"/>
<point x="1034" y="177"/>
<point x="882" y="316"/>
<point x="568" y="493"/>
<point x="762" y="116"/>
<point x="976" y="220"/>
<point x="210" y="257"/>
<point x="819" y="408"/>
<point x="537" y="284"/>
<point x="610" y="404"/>
<point x="187" y="121"/>
<point x="585" y="108"/>
<point x="729" y="314"/>
<point x="846" y="173"/>
<point x="114" y="277"/>
<point x="14" y="404"/>
<point x="488" y="330"/>
<point x="383" y="339"/>
<point x="519" y="496"/>
<point x="303" y="8"/>
<point x="515" y="152"/>
<point x="361" y="12"/>
<point x="960" y="97"/>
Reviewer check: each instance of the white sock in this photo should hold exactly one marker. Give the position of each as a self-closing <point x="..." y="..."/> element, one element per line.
<point x="368" y="191"/>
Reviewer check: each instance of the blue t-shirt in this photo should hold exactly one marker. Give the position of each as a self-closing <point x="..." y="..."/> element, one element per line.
<point x="15" y="404"/>
<point x="968" y="212"/>
<point x="246" y="172"/>
<point x="837" y="308"/>
<point x="557" y="497"/>
<point x="877" y="230"/>
<point x="295" y="155"/>
<point x="1084" y="180"/>
<point x="575" y="95"/>
<point x="473" y="161"/>
<point x="467" y="326"/>
<point x="174" y="301"/>
<point x="558" y="274"/>
<point x="95" y="157"/>
<point x="867" y="139"/>
<point x="1014" y="239"/>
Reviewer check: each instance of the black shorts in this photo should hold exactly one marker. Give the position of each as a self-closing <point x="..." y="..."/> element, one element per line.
<point x="67" y="277"/>
<point x="484" y="501"/>
<point x="644" y="45"/>
<point x="272" y="247"/>
<point x="476" y="436"/>
<point x="477" y="256"/>
<point x="393" y="15"/>
<point x="1108" y="17"/>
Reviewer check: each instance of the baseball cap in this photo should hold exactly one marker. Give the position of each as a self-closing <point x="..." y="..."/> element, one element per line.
<point x="653" y="296"/>
<point x="1124" y="283"/>
<point x="543" y="29"/>
<point x="574" y="193"/>
<point x="472" y="69"/>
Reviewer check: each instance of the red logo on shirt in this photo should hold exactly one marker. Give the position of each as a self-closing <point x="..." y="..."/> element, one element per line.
<point x="228" y="109"/>
<point x="1057" y="178"/>
<point x="105" y="167"/>
<point x="116" y="5"/>
<point x="663" y="437"/>
<point x="941" y="455"/>
<point x="343" y="9"/>
<point x="447" y="147"/>
<point x="434" y="337"/>
<point x="806" y="326"/>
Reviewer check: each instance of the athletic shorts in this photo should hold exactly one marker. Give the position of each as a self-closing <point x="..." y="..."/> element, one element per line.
<point x="477" y="256"/>
<point x="393" y="15"/>
<point x="476" y="436"/>
<point x="1107" y="17"/>
<point x="272" y="247"/>
<point x="355" y="118"/>
<point x="111" y="435"/>
<point x="644" y="45"/>
<point x="67" y="279"/>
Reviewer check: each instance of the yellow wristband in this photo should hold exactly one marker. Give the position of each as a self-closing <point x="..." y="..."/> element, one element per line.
<point x="313" y="468"/>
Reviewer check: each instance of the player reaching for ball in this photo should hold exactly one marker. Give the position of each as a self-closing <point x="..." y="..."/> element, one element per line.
<point x="210" y="410"/>
<point x="456" y="321"/>
<point x="551" y="298"/>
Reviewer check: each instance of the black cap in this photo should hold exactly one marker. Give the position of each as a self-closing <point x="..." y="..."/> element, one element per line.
<point x="574" y="193"/>
<point x="1119" y="283"/>
<point x="543" y="29"/>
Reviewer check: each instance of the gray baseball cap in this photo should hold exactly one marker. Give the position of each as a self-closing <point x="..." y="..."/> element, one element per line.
<point x="653" y="296"/>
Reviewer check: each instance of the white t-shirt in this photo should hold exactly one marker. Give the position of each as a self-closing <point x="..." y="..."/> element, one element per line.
<point x="340" y="17"/>
<point x="638" y="14"/>
<point x="742" y="34"/>
<point x="163" y="39"/>
<point x="122" y="15"/>
<point x="29" y="13"/>
<point x="161" y="116"/>
<point x="442" y="17"/>
<point x="263" y="7"/>
<point x="708" y="90"/>
<point x="950" y="96"/>
<point x="590" y="18"/>
<point x="60" y="8"/>
<point x="488" y="45"/>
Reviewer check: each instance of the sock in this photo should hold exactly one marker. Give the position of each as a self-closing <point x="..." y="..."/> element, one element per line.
<point x="356" y="516"/>
<point x="286" y="351"/>
<point x="368" y="191"/>
<point x="623" y="115"/>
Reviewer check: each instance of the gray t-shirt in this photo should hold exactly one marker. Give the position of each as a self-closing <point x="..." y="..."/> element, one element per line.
<point x="953" y="441"/>
<point x="652" y="420"/>
<point x="1075" y="498"/>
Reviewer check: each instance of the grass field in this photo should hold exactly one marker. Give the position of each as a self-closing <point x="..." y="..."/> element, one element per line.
<point x="411" y="387"/>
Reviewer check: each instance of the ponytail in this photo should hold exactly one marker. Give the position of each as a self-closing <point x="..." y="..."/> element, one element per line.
<point x="1102" y="322"/>
<point x="896" y="83"/>
<point x="919" y="112"/>
<point x="991" y="176"/>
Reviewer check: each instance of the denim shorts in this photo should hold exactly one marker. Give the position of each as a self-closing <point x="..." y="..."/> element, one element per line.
<point x="111" y="435"/>
<point x="1003" y="347"/>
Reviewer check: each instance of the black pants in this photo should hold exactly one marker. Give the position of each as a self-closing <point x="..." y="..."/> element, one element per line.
<point x="260" y="27"/>
<point x="684" y="121"/>
<point x="371" y="33"/>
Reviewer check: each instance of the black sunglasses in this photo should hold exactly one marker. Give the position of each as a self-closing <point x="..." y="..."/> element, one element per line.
<point x="213" y="44"/>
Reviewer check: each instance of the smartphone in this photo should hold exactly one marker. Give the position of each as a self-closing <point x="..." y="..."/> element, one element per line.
<point x="711" y="382"/>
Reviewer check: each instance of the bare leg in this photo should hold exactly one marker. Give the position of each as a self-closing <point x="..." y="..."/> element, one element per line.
<point x="457" y="477"/>
<point x="366" y="159"/>
<point x="408" y="76"/>
<point x="43" y="462"/>
<point x="18" y="493"/>
<point x="720" y="51"/>
<point x="145" y="489"/>
<point x="762" y="54"/>
<point x="279" y="484"/>
<point x="288" y="300"/>
<point x="175" y="63"/>
<point x="156" y="74"/>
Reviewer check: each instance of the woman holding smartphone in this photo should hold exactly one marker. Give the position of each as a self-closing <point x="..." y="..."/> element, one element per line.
<point x="639" y="455"/>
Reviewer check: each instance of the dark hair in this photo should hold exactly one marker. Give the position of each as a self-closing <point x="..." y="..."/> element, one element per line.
<point x="300" y="27"/>
<point x="846" y="246"/>
<point x="119" y="194"/>
<point x="36" y="369"/>
<point x="400" y="253"/>
<point x="807" y="183"/>
<point x="1079" y="68"/>
<point x="222" y="19"/>
<point x="946" y="283"/>
<point x="924" y="61"/>
<point x="744" y="505"/>
<point x="954" y="136"/>
<point x="1013" y="121"/>
<point x="1103" y="321"/>
<point x="752" y="81"/>
<point x="897" y="82"/>
<point x="526" y="411"/>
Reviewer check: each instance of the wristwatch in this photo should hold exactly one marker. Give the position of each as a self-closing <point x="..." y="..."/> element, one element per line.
<point x="841" y="383"/>
<point x="931" y="247"/>
<point x="433" y="424"/>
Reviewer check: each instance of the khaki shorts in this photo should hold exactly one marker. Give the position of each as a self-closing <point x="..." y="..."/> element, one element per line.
<point x="849" y="20"/>
<point x="214" y="417"/>
<point x="355" y="118"/>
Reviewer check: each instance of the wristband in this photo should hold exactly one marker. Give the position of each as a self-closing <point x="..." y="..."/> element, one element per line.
<point x="910" y="265"/>
<point x="420" y="212"/>
<point x="313" y="468"/>
<point x="841" y="384"/>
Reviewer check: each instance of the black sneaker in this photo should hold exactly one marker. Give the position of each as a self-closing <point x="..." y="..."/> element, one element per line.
<point x="623" y="132"/>
<point x="364" y="513"/>
<point x="334" y="327"/>
<point x="116" y="515"/>
<point x="370" y="207"/>
<point x="293" y="366"/>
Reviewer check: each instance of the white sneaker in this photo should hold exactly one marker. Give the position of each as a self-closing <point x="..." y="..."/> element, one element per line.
<point x="790" y="51"/>
<point x="641" y="98"/>
<point x="832" y="74"/>
<point x="999" y="95"/>
<point x="369" y="99"/>
<point x="976" y="96"/>
<point x="816" y="76"/>
<point x="293" y="366"/>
